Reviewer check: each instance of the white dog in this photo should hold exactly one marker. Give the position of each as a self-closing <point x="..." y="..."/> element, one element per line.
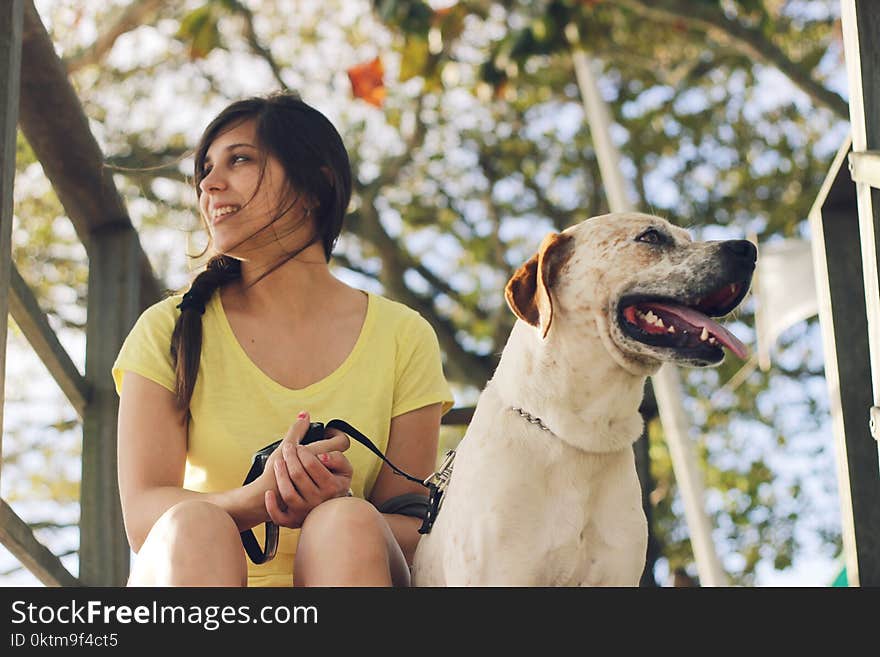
<point x="544" y="490"/>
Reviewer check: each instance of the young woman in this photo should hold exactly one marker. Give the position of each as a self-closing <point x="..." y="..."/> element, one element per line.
<point x="266" y="340"/>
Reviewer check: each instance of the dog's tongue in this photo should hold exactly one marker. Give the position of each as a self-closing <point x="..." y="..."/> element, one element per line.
<point x="699" y="320"/>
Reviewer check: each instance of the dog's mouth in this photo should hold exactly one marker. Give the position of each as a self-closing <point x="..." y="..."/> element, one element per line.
<point x="684" y="325"/>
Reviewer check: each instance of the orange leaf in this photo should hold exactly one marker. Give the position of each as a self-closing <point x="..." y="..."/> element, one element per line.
<point x="366" y="82"/>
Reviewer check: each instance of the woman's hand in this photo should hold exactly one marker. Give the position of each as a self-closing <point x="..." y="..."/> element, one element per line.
<point x="306" y="475"/>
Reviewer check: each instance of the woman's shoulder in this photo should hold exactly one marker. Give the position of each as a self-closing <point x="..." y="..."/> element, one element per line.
<point x="402" y="321"/>
<point x="164" y="310"/>
<point x="390" y="310"/>
<point x="159" y="318"/>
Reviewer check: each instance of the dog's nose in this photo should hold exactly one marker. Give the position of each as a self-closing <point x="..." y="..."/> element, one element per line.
<point x="741" y="249"/>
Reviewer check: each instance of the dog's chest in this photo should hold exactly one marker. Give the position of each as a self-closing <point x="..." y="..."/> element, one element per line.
<point x="559" y="517"/>
<point x="582" y="545"/>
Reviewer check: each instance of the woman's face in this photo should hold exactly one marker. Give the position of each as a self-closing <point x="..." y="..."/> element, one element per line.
<point x="238" y="208"/>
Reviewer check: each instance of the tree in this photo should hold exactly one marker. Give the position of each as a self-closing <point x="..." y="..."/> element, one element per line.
<point x="723" y="112"/>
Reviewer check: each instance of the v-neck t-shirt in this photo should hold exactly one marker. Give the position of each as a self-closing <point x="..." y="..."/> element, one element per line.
<point x="236" y="408"/>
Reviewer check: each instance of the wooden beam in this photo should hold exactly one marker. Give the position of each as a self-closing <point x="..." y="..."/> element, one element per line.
<point x="834" y="226"/>
<point x="19" y="539"/>
<point x="52" y="119"/>
<point x="865" y="167"/>
<point x="458" y="416"/>
<point x="11" y="17"/>
<point x="860" y="25"/>
<point x="113" y="308"/>
<point x="33" y="323"/>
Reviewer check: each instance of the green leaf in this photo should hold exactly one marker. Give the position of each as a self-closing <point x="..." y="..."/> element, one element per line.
<point x="414" y="57"/>
<point x="199" y="29"/>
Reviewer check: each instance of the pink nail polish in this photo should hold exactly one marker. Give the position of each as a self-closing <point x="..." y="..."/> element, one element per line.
<point x="324" y="457"/>
<point x="301" y="415"/>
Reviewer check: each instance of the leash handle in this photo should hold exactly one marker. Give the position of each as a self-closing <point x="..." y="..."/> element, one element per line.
<point x="315" y="432"/>
<point x="256" y="553"/>
<point x="251" y="545"/>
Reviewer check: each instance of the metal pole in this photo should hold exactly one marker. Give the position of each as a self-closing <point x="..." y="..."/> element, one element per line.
<point x="667" y="381"/>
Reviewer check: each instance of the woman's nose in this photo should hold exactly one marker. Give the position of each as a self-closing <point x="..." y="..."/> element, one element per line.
<point x="212" y="180"/>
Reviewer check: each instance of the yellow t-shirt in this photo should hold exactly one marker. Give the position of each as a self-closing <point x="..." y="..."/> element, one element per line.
<point x="237" y="409"/>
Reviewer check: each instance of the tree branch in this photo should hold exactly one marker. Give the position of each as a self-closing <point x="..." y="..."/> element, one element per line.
<point x="462" y="365"/>
<point x="54" y="124"/>
<point x="751" y="42"/>
<point x="251" y="36"/>
<point x="391" y="168"/>
<point x="142" y="163"/>
<point x="131" y="17"/>
<point x="561" y="218"/>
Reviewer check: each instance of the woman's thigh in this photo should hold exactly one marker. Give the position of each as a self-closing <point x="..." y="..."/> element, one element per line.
<point x="193" y="543"/>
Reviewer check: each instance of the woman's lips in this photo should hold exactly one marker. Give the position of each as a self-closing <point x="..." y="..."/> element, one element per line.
<point x="216" y="219"/>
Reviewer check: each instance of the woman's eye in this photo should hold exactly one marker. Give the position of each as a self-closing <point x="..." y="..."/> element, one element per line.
<point x="237" y="158"/>
<point x="650" y="236"/>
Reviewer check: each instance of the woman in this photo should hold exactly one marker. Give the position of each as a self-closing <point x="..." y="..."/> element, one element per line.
<point x="265" y="341"/>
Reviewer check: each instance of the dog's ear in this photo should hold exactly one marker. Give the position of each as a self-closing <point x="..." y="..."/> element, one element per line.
<point x="528" y="290"/>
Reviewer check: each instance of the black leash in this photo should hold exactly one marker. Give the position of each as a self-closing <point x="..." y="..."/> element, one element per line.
<point x="436" y="484"/>
<point x="346" y="428"/>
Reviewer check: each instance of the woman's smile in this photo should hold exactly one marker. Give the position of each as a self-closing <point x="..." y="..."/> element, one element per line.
<point x="220" y="213"/>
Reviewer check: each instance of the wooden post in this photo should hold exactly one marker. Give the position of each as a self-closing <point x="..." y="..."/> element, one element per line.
<point x="834" y="225"/>
<point x="113" y="307"/>
<point x="11" y="17"/>
<point x="860" y="24"/>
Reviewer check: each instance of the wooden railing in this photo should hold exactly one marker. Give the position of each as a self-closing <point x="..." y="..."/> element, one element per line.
<point x="121" y="283"/>
<point x="845" y="225"/>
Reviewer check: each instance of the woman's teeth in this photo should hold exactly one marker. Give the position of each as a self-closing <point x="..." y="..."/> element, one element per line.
<point x="223" y="211"/>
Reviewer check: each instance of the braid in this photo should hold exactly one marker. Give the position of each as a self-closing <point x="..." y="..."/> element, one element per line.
<point x="186" y="341"/>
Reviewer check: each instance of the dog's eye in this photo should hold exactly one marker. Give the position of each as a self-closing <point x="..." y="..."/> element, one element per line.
<point x="651" y="236"/>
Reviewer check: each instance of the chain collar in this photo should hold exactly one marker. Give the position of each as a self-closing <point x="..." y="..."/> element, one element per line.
<point x="531" y="419"/>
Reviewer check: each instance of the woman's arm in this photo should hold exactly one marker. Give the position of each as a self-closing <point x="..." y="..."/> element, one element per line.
<point x="151" y="459"/>
<point x="412" y="447"/>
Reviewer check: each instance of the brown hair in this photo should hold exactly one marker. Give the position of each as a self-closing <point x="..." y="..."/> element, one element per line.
<point x="316" y="164"/>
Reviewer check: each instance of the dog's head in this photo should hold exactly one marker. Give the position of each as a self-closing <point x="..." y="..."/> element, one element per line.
<point x="649" y="290"/>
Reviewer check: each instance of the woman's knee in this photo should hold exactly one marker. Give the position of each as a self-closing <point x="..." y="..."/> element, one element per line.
<point x="195" y="541"/>
<point x="347" y="542"/>
<point x="197" y="521"/>
<point x="341" y="534"/>
<point x="344" y="517"/>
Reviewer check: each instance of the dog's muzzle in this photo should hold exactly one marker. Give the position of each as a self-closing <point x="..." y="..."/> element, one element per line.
<point x="684" y="322"/>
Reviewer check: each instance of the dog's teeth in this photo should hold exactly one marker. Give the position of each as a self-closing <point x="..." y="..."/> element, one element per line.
<point x="660" y="323"/>
<point x="713" y="341"/>
<point x="704" y="335"/>
<point x="650" y="317"/>
<point x="671" y="329"/>
<point x="733" y="287"/>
